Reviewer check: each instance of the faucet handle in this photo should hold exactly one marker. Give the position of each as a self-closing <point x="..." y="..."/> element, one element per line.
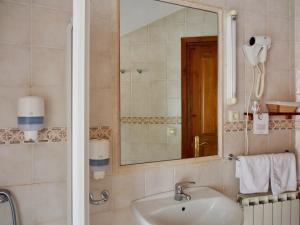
<point x="181" y="185"/>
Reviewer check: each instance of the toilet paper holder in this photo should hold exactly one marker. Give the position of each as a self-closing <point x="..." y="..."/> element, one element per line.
<point x="104" y="197"/>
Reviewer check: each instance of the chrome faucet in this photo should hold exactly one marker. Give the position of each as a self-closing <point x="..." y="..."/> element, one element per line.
<point x="179" y="194"/>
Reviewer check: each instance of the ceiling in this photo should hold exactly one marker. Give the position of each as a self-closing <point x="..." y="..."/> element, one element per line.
<point x="135" y="14"/>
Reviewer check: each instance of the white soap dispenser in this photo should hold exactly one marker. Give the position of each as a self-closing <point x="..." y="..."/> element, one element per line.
<point x="31" y="116"/>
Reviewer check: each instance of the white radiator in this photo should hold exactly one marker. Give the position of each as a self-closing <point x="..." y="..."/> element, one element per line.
<point x="271" y="210"/>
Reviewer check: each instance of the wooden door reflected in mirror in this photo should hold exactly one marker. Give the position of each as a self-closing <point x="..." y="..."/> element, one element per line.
<point x="199" y="79"/>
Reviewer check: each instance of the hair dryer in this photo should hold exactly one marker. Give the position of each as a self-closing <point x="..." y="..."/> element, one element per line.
<point x="256" y="52"/>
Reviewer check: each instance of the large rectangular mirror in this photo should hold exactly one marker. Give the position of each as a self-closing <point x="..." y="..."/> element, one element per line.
<point x="168" y="81"/>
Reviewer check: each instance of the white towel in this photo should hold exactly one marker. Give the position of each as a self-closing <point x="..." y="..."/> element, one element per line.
<point x="283" y="173"/>
<point x="254" y="173"/>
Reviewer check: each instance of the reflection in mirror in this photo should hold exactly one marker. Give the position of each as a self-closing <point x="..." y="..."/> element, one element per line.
<point x="168" y="82"/>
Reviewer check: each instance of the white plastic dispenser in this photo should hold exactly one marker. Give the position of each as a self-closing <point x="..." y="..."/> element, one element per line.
<point x="31" y="116"/>
<point x="99" y="157"/>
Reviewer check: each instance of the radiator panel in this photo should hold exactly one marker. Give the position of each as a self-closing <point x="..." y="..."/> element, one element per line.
<point x="271" y="210"/>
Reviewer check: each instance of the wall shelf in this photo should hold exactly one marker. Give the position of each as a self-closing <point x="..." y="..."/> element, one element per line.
<point x="287" y="115"/>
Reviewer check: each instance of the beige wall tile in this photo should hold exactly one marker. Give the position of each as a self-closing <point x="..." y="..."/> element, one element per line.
<point x="211" y="174"/>
<point x="279" y="55"/>
<point x="159" y="180"/>
<point x="279" y="141"/>
<point x="230" y="183"/>
<point x="127" y="188"/>
<point x="258" y="143"/>
<point x="278" y="7"/>
<point x="104" y="217"/>
<point x="8" y="100"/>
<point x="255" y="6"/>
<point x="101" y="70"/>
<point x="48" y="67"/>
<point x="49" y="27"/>
<point x="101" y="107"/>
<point x="55" y="104"/>
<point x="55" y="222"/>
<point x="103" y="8"/>
<point x="15" y="165"/>
<point x="25" y="203"/>
<point x="187" y="173"/>
<point x="277" y="85"/>
<point x="278" y="28"/>
<point x="49" y="162"/>
<point x="14" y="23"/>
<point x="56" y="4"/>
<point x="14" y="65"/>
<point x="50" y="202"/>
<point x="101" y="34"/>
<point x="124" y="217"/>
<point x="234" y="143"/>
<point x="255" y="24"/>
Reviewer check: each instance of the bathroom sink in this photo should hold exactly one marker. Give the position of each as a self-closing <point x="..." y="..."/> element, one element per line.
<point x="206" y="207"/>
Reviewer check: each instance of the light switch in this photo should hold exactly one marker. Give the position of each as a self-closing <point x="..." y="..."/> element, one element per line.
<point x="233" y="116"/>
<point x="171" y="131"/>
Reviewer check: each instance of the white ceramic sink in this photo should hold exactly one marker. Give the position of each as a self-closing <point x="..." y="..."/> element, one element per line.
<point x="207" y="207"/>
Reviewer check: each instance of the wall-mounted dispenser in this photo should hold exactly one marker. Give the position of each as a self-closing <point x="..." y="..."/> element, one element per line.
<point x="31" y="116"/>
<point x="99" y="157"/>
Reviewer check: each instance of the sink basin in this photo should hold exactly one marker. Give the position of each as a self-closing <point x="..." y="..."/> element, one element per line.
<point x="207" y="207"/>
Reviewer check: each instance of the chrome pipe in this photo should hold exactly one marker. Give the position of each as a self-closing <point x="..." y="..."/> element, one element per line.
<point x="6" y="196"/>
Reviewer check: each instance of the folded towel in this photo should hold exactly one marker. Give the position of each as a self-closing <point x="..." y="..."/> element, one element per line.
<point x="283" y="173"/>
<point x="254" y="173"/>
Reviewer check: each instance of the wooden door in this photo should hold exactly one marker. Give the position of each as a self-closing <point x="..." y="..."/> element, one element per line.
<point x="199" y="96"/>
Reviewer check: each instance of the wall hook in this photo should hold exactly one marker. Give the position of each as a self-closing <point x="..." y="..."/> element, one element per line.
<point x="139" y="71"/>
<point x="104" y="196"/>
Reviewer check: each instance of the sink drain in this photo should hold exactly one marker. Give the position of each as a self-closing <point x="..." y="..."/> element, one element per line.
<point x="183" y="209"/>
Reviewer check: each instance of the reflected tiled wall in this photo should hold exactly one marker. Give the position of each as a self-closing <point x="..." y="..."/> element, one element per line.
<point x="33" y="61"/>
<point x="156" y="92"/>
<point x="271" y="17"/>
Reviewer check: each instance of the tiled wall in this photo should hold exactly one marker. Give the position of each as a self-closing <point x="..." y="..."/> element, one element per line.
<point x="256" y="17"/>
<point x="33" y="61"/>
<point x="296" y="63"/>
<point x="155" y="49"/>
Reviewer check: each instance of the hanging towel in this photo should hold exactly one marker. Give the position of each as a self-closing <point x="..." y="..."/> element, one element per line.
<point x="283" y="173"/>
<point x="254" y="173"/>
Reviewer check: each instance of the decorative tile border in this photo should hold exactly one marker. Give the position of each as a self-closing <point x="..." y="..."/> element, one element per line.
<point x="59" y="134"/>
<point x="151" y="120"/>
<point x="49" y="135"/>
<point x="277" y="124"/>
<point x="100" y="132"/>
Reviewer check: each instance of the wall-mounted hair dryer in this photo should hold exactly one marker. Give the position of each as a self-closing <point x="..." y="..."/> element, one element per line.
<point x="256" y="52"/>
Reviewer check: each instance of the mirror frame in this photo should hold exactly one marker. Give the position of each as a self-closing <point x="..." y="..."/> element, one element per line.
<point x="117" y="168"/>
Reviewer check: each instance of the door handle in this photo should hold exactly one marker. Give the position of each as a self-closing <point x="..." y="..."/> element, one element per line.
<point x="197" y="146"/>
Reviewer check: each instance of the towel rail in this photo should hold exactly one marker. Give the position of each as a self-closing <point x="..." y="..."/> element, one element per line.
<point x="234" y="157"/>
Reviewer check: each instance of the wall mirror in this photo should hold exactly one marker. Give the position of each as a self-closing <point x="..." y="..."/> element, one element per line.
<point x="169" y="68"/>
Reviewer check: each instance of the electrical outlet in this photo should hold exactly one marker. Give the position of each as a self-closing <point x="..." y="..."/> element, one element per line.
<point x="233" y="116"/>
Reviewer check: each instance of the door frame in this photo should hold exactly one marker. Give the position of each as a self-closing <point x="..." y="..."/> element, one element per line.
<point x="184" y="86"/>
